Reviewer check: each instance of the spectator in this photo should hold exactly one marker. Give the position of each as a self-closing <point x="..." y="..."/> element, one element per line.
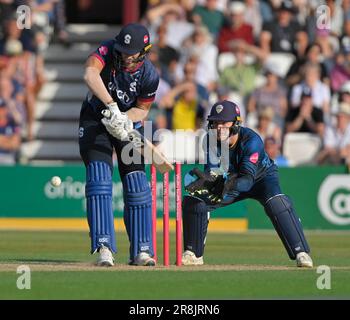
<point x="266" y="127"/>
<point x="341" y="71"/>
<point x="253" y="17"/>
<point x="241" y="76"/>
<point x="313" y="54"/>
<point x="270" y="94"/>
<point x="32" y="74"/>
<point x="209" y="16"/>
<point x="337" y="139"/>
<point x="320" y="92"/>
<point x="284" y="34"/>
<point x="190" y="71"/>
<point x="10" y="138"/>
<point x="200" y="46"/>
<point x="344" y="94"/>
<point x="237" y="28"/>
<point x="273" y="150"/>
<point x="183" y="104"/>
<point x="305" y="118"/>
<point x="172" y="16"/>
<point x="336" y="16"/>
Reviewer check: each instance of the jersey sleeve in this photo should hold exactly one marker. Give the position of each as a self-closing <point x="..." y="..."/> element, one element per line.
<point x="252" y="153"/>
<point x="149" y="86"/>
<point x="104" y="52"/>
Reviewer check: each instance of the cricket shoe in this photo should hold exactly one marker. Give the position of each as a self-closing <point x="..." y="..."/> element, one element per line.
<point x="105" y="258"/>
<point x="190" y="259"/>
<point x="304" y="260"/>
<point x="143" y="259"/>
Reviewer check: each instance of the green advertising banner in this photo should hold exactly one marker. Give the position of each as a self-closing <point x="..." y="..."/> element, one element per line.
<point x="26" y="191"/>
<point x="321" y="195"/>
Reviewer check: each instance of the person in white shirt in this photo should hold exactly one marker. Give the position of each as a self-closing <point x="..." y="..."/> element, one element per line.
<point x="337" y="139"/>
<point x="321" y="94"/>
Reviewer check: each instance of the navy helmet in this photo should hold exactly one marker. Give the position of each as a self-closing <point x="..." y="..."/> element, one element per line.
<point x="132" y="38"/>
<point x="225" y="111"/>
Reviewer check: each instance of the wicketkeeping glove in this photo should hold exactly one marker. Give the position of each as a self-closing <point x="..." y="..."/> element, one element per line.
<point x="203" y="181"/>
<point x="223" y="186"/>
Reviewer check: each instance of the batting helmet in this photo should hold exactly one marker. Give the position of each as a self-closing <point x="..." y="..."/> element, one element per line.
<point x="225" y="111"/>
<point x="132" y="38"/>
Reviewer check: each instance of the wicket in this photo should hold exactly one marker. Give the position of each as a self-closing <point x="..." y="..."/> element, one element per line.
<point x="178" y="209"/>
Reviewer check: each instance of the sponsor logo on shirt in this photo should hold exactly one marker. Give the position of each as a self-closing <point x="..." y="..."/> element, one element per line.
<point x="103" y="50"/>
<point x="254" y="157"/>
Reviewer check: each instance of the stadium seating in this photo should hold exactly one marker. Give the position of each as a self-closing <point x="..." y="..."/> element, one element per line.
<point x="301" y="148"/>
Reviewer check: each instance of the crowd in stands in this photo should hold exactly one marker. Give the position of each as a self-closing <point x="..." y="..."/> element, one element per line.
<point x="286" y="63"/>
<point x="22" y="66"/>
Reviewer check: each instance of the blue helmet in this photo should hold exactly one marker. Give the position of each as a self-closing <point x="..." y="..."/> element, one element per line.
<point x="132" y="38"/>
<point x="225" y="111"/>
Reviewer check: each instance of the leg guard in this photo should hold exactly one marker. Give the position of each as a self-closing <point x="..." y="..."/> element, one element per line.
<point x="288" y="226"/>
<point x="98" y="192"/>
<point x="138" y="213"/>
<point x="195" y="224"/>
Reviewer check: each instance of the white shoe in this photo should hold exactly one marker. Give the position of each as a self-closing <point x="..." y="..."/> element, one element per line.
<point x="190" y="259"/>
<point x="143" y="259"/>
<point x="304" y="260"/>
<point x="105" y="258"/>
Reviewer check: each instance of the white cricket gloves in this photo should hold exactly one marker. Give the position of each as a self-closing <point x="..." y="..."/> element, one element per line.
<point x="117" y="123"/>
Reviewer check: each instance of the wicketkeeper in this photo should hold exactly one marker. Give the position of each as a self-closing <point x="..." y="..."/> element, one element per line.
<point x="241" y="171"/>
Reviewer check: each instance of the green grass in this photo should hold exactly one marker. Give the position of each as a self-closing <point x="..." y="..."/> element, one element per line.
<point x="253" y="248"/>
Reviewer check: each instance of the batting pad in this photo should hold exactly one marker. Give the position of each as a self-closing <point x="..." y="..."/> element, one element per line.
<point x="138" y="213"/>
<point x="98" y="192"/>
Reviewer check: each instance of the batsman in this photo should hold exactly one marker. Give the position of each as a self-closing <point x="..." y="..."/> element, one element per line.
<point x="123" y="83"/>
<point x="237" y="168"/>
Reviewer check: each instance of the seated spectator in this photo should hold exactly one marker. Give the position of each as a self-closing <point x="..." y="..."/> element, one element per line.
<point x="344" y="93"/>
<point x="33" y="76"/>
<point x="190" y="72"/>
<point x="10" y="138"/>
<point x="241" y="76"/>
<point x="341" y="71"/>
<point x="312" y="55"/>
<point x="337" y="139"/>
<point x="209" y="16"/>
<point x="13" y="99"/>
<point x="183" y="104"/>
<point x="253" y="17"/>
<point x="321" y="94"/>
<point x="237" y="28"/>
<point x="172" y="16"/>
<point x="266" y="127"/>
<point x="283" y="34"/>
<point x="200" y="46"/>
<point x="273" y="150"/>
<point x="270" y="94"/>
<point x="305" y="118"/>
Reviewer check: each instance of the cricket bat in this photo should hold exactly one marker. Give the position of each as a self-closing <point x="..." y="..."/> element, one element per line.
<point x="147" y="149"/>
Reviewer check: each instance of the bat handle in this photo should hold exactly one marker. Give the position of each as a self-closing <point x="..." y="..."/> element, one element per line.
<point x="106" y="113"/>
